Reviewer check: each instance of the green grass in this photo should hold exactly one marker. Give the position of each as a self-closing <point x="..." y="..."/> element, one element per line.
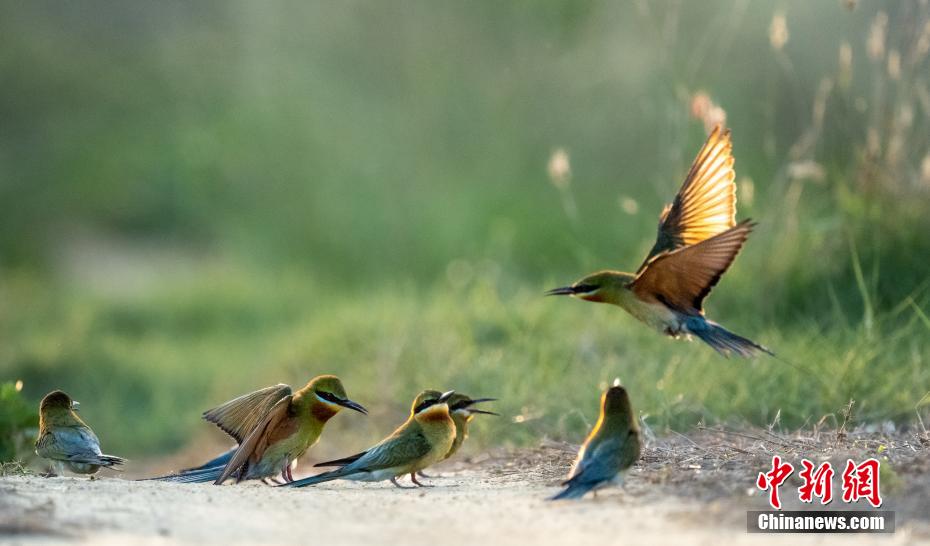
<point x="202" y="200"/>
<point x="147" y="367"/>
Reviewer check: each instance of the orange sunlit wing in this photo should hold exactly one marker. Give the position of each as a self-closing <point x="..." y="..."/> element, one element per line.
<point x="706" y="203"/>
<point x="240" y="416"/>
<point x="257" y="440"/>
<point x="682" y="278"/>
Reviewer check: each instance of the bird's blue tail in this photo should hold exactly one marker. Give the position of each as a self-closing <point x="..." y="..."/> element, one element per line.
<point x="574" y="490"/>
<point x="207" y="472"/>
<point x="199" y="475"/>
<point x="319" y="478"/>
<point x="220" y="460"/>
<point x="109" y="460"/>
<point x="722" y="340"/>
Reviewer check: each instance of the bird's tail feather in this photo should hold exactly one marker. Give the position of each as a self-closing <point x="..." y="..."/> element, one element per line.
<point x="110" y="460"/>
<point x="219" y="460"/>
<point x="722" y="340"/>
<point x="319" y="478"/>
<point x="200" y="475"/>
<point x="573" y="490"/>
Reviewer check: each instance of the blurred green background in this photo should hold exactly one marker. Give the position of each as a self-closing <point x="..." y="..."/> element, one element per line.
<point x="197" y="200"/>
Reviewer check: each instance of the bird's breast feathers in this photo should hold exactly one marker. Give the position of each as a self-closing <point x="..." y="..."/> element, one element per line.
<point x="653" y="313"/>
<point x="436" y="414"/>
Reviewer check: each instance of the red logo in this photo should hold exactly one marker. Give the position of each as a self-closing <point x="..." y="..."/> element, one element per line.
<point x="859" y="481"/>
<point x="817" y="483"/>
<point x="773" y="479"/>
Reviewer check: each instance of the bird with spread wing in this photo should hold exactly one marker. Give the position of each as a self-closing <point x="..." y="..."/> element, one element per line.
<point x="698" y="239"/>
<point x="274" y="426"/>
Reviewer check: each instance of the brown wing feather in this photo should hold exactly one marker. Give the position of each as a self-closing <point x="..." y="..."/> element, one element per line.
<point x="682" y="278"/>
<point x="706" y="203"/>
<point x="239" y="416"/>
<point x="257" y="440"/>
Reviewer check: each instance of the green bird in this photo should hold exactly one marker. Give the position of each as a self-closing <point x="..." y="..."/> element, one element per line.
<point x="613" y="446"/>
<point x="463" y="411"/>
<point x="424" y="439"/>
<point x="698" y="239"/>
<point x="274" y="427"/>
<point x="66" y="440"/>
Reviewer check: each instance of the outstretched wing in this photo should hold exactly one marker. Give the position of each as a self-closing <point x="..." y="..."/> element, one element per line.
<point x="681" y="279"/>
<point x="706" y="203"/>
<point x="257" y="440"/>
<point x="240" y="416"/>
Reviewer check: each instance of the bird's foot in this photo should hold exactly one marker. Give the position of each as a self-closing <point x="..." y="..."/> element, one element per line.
<point x="394" y="481"/>
<point x="427" y="476"/>
<point x="413" y="478"/>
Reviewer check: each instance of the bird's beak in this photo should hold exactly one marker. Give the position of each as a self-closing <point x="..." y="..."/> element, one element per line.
<point x="75" y="405"/>
<point x="561" y="291"/>
<point x="445" y="396"/>
<point x="354" y="406"/>
<point x="471" y="403"/>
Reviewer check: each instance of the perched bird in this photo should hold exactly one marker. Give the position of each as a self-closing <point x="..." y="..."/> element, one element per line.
<point x="66" y="440"/>
<point x="612" y="447"/>
<point x="274" y="427"/>
<point x="698" y="239"/>
<point x="424" y="439"/>
<point x="463" y="411"/>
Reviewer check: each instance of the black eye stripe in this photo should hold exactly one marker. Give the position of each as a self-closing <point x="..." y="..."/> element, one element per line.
<point x="583" y="288"/>
<point x="424" y="404"/>
<point x="329" y="397"/>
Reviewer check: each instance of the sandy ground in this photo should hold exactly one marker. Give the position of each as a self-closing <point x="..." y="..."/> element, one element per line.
<point x="497" y="498"/>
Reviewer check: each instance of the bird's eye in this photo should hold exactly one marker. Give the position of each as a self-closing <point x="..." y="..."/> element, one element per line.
<point x="329" y="397"/>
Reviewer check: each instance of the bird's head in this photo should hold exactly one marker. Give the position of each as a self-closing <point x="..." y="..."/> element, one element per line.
<point x="328" y="390"/>
<point x="57" y="408"/>
<point x="602" y="286"/>
<point x="430" y="404"/>
<point x="463" y="406"/>
<point x="57" y="400"/>
<point x="616" y="407"/>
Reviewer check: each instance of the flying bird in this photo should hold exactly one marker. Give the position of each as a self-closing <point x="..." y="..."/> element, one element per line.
<point x="424" y="439"/>
<point x="698" y="238"/>
<point x="66" y="440"/>
<point x="612" y="447"/>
